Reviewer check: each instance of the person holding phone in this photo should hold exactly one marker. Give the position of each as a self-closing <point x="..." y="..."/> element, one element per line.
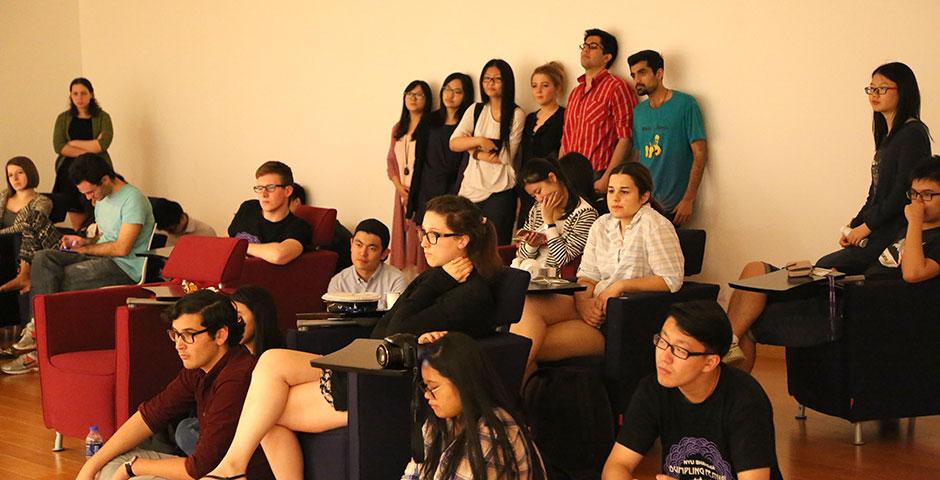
<point x="558" y="224"/>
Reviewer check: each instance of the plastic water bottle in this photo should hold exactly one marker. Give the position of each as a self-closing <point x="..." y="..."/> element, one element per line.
<point x="93" y="441"/>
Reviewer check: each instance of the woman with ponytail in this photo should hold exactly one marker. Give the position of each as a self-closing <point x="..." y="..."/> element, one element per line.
<point x="634" y="248"/>
<point x="288" y="395"/>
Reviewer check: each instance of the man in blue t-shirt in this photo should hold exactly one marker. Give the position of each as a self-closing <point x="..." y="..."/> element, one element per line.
<point x="669" y="136"/>
<point x="125" y="227"/>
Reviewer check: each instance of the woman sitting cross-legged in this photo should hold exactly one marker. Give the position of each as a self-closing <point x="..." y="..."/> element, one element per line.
<point x="473" y="422"/>
<point x="633" y="248"/>
<point x="288" y="395"/>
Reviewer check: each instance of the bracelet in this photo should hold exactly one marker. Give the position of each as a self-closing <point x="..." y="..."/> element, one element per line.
<point x="128" y="467"/>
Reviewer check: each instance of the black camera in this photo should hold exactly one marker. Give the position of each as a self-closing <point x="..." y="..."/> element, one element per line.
<point x="398" y="351"/>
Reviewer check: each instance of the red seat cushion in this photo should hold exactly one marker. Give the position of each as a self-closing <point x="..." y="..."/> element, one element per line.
<point x="89" y="362"/>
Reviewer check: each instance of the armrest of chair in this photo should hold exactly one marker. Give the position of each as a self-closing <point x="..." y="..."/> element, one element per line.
<point x="632" y="320"/>
<point x="146" y="360"/>
<point x="79" y="320"/>
<point x="324" y="340"/>
<point x="296" y="287"/>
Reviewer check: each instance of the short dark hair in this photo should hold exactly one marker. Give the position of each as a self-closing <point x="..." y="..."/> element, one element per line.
<point x="167" y="213"/>
<point x="299" y="193"/>
<point x="930" y="170"/>
<point x="216" y="310"/>
<point x="705" y="321"/>
<point x="374" y="227"/>
<point x="652" y="58"/>
<point x="91" y="168"/>
<point x="608" y="43"/>
<point x="29" y="168"/>
<point x="277" y="168"/>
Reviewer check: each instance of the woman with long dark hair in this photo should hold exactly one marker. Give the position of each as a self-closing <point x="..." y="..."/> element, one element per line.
<point x="415" y="106"/>
<point x="902" y="143"/>
<point x="287" y="395"/>
<point x="473" y="421"/>
<point x="257" y="311"/>
<point x="634" y="248"/>
<point x="491" y="134"/>
<point x="557" y="227"/>
<point x="83" y="128"/>
<point x="438" y="167"/>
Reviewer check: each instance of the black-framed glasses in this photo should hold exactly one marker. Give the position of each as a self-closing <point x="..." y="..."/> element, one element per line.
<point x="925" y="196"/>
<point x="270" y="188"/>
<point x="590" y="46"/>
<point x="677" y="351"/>
<point x="455" y="91"/>
<point x="879" y="90"/>
<point x="186" y="337"/>
<point x="414" y="95"/>
<point x="493" y="80"/>
<point x="430" y="391"/>
<point x="433" y="237"/>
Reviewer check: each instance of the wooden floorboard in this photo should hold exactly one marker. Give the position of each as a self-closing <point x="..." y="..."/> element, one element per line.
<point x="819" y="447"/>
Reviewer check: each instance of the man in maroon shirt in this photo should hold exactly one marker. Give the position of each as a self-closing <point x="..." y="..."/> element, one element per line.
<point x="214" y="380"/>
<point x="598" y="117"/>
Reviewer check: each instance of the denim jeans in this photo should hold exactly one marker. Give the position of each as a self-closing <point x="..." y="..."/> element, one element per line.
<point x="57" y="271"/>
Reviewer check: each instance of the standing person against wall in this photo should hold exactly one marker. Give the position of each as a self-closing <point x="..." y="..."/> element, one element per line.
<point x="83" y="128"/>
<point x="669" y="134"/>
<point x="491" y="133"/>
<point x="598" y="120"/>
<point x="541" y="136"/>
<point x="415" y="105"/>
<point x="438" y="169"/>
<point x="902" y="143"/>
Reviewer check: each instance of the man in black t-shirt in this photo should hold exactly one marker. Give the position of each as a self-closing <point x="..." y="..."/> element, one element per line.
<point x="714" y="422"/>
<point x="274" y="234"/>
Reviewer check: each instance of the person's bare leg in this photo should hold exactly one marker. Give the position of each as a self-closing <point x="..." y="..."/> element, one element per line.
<point x="20" y="283"/>
<point x="571" y="338"/>
<point x="743" y="310"/>
<point x="539" y="313"/>
<point x="282" y="449"/>
<point x="276" y="375"/>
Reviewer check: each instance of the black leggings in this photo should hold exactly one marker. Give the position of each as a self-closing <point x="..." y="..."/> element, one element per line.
<point x="500" y="208"/>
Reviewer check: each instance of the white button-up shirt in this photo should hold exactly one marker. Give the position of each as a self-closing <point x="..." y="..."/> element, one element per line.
<point x="648" y="247"/>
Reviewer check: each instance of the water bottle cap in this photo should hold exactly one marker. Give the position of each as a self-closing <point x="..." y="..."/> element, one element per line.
<point x="94" y="428"/>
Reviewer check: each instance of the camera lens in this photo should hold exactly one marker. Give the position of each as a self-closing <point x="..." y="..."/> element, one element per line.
<point x="381" y="355"/>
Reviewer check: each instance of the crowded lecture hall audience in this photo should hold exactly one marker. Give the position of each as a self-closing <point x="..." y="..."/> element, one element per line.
<point x="598" y="186"/>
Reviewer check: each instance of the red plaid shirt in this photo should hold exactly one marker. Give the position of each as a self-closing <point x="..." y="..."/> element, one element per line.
<point x="596" y="120"/>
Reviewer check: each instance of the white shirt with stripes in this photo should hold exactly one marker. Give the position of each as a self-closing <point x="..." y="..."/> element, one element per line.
<point x="648" y="247"/>
<point x="566" y="240"/>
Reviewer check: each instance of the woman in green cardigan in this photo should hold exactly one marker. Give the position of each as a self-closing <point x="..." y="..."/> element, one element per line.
<point x="83" y="128"/>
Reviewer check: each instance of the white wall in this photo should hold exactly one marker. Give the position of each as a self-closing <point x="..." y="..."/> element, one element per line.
<point x="40" y="53"/>
<point x="203" y="92"/>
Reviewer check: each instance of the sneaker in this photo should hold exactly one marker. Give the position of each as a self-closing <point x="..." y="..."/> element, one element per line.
<point x="27" y="340"/>
<point x="25" y="363"/>
<point x="735" y="356"/>
<point x="9" y="352"/>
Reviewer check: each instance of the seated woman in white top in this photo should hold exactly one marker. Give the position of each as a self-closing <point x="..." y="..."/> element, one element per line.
<point x="557" y="227"/>
<point x="633" y="248"/>
<point x="491" y="134"/>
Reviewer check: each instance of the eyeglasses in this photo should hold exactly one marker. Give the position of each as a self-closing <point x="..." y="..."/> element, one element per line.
<point x="430" y="391"/>
<point x="433" y="237"/>
<point x="455" y="91"/>
<point x="590" y="46"/>
<point x="677" y="351"/>
<point x="879" y="90"/>
<point x="414" y="95"/>
<point x="492" y="79"/>
<point x="186" y="337"/>
<point x="925" y="196"/>
<point x="270" y="188"/>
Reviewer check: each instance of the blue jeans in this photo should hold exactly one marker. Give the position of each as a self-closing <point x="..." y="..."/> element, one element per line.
<point x="187" y="434"/>
<point x="57" y="271"/>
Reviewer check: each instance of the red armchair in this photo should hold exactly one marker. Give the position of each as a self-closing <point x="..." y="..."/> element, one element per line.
<point x="298" y="286"/>
<point x="99" y="358"/>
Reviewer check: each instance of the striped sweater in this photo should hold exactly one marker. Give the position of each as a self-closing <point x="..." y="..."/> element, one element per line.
<point x="565" y="241"/>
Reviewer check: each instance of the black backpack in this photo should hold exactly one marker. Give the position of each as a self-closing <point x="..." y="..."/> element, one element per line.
<point x="571" y="420"/>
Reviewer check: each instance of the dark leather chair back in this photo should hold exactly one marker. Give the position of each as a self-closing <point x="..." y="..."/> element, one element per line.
<point x="692" y="243"/>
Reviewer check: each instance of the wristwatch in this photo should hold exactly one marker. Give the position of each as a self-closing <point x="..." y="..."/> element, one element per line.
<point x="128" y="467"/>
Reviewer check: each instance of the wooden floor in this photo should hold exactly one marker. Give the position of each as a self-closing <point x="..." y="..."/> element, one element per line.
<point x="817" y="448"/>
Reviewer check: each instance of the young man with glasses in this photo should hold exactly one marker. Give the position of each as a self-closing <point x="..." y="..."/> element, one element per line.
<point x="274" y="234"/>
<point x="668" y="135"/>
<point x="598" y="117"/>
<point x="713" y="421"/>
<point x="914" y="257"/>
<point x="214" y="380"/>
